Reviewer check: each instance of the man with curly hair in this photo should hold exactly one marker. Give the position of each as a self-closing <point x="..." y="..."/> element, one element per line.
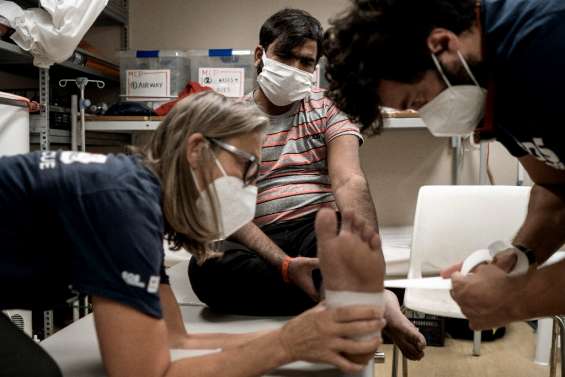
<point x="310" y="160"/>
<point x="436" y="56"/>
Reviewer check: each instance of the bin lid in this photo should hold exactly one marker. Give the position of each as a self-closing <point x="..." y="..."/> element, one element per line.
<point x="15" y="100"/>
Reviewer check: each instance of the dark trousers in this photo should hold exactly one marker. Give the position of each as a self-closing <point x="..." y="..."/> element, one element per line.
<point x="242" y="282"/>
<point x="20" y="356"/>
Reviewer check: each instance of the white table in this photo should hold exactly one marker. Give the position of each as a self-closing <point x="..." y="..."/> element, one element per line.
<point x="75" y="348"/>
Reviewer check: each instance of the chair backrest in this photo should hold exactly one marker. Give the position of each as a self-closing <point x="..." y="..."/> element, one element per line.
<point x="451" y="222"/>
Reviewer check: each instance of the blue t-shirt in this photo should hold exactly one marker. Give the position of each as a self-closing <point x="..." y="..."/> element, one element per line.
<point x="525" y="51"/>
<point x="87" y="222"/>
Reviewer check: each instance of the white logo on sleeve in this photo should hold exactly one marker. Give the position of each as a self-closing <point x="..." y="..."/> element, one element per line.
<point x="47" y="160"/>
<point x="153" y="285"/>
<point x="538" y="149"/>
<point x="82" y="157"/>
<point x="135" y="281"/>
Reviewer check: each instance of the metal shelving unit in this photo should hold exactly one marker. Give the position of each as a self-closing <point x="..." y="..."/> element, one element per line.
<point x="122" y="126"/>
<point x="15" y="60"/>
<point x="151" y="125"/>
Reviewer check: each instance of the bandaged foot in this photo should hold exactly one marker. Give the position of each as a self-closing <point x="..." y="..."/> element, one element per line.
<point x="403" y="333"/>
<point x="352" y="265"/>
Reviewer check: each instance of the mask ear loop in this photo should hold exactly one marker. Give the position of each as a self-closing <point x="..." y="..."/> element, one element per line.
<point x="466" y="66"/>
<point x="438" y="66"/>
<point x="218" y="163"/>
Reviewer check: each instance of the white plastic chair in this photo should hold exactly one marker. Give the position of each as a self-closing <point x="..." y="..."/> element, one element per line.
<point x="450" y="223"/>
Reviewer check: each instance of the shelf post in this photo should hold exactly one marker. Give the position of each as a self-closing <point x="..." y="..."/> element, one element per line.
<point x="44" y="109"/>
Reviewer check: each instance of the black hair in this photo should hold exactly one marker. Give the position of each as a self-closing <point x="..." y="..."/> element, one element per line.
<point x="378" y="40"/>
<point x="291" y="28"/>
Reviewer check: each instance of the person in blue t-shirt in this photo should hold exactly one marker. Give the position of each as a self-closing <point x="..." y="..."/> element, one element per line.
<point x="96" y="223"/>
<point x="437" y="57"/>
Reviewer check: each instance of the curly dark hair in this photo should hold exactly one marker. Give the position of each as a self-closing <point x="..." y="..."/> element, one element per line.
<point x="376" y="40"/>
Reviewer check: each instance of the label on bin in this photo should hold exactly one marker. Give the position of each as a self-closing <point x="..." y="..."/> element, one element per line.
<point x="227" y="81"/>
<point x="151" y="84"/>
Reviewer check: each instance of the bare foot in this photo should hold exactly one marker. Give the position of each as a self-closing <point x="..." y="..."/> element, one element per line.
<point x="403" y="333"/>
<point x="350" y="260"/>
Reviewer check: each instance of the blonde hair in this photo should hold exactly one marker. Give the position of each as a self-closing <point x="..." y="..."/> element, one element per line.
<point x="214" y="116"/>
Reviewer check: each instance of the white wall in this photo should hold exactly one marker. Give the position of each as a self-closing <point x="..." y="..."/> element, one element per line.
<point x="185" y="24"/>
<point x="397" y="162"/>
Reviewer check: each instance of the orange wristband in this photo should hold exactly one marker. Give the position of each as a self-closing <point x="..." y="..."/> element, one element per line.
<point x="284" y="269"/>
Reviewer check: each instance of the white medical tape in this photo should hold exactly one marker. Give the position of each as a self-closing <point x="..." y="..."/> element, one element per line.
<point x="338" y="299"/>
<point x="487" y="256"/>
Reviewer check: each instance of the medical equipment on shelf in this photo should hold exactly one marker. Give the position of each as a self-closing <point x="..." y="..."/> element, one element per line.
<point x="81" y="83"/>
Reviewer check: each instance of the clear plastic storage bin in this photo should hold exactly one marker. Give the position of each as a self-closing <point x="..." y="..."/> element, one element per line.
<point x="153" y="75"/>
<point x="227" y="71"/>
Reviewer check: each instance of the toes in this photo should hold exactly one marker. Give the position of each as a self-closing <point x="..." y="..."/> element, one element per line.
<point x="347" y="221"/>
<point x="326" y="225"/>
<point x="375" y="242"/>
<point x="357" y="225"/>
<point x="367" y="233"/>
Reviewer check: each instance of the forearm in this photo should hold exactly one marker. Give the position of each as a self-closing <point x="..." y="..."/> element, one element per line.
<point x="544" y="228"/>
<point x="172" y="315"/>
<point x="255" y="239"/>
<point x="539" y="294"/>
<point x="254" y="358"/>
<point x="354" y="194"/>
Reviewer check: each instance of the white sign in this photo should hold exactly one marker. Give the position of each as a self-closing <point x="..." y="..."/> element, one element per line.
<point x="227" y="81"/>
<point x="151" y="84"/>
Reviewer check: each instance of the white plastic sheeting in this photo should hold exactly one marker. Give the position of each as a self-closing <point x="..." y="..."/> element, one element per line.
<point x="51" y="33"/>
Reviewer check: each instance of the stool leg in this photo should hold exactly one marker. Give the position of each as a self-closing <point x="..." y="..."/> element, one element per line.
<point x="394" y="360"/>
<point x="561" y="323"/>
<point x="404" y="366"/>
<point x="553" y="355"/>
<point x="477" y="343"/>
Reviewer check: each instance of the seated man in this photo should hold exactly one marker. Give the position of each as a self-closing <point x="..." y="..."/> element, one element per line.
<point x="310" y="160"/>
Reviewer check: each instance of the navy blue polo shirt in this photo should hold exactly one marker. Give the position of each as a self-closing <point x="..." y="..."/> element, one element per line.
<point x="525" y="51"/>
<point x="85" y="222"/>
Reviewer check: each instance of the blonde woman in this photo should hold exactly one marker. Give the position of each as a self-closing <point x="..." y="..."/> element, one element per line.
<point x="96" y="223"/>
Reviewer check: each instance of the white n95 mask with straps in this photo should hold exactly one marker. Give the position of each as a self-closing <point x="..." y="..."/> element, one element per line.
<point x="458" y="109"/>
<point x="283" y="84"/>
<point x="236" y="203"/>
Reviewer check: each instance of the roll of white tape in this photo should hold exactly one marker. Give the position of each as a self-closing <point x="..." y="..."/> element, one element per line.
<point x="522" y="264"/>
<point x="473" y="260"/>
<point x="487" y="255"/>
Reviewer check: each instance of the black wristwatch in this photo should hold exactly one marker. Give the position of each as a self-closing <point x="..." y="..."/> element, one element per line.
<point x="530" y="254"/>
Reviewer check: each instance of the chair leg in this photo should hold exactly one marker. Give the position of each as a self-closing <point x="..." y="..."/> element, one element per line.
<point x="404" y="366"/>
<point x="394" y="361"/>
<point x="477" y="343"/>
<point x="561" y="324"/>
<point x="553" y="354"/>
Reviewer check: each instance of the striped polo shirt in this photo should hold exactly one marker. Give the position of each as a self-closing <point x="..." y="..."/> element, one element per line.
<point x="293" y="176"/>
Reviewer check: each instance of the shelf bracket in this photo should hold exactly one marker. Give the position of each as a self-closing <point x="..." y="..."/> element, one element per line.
<point x="44" y="109"/>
